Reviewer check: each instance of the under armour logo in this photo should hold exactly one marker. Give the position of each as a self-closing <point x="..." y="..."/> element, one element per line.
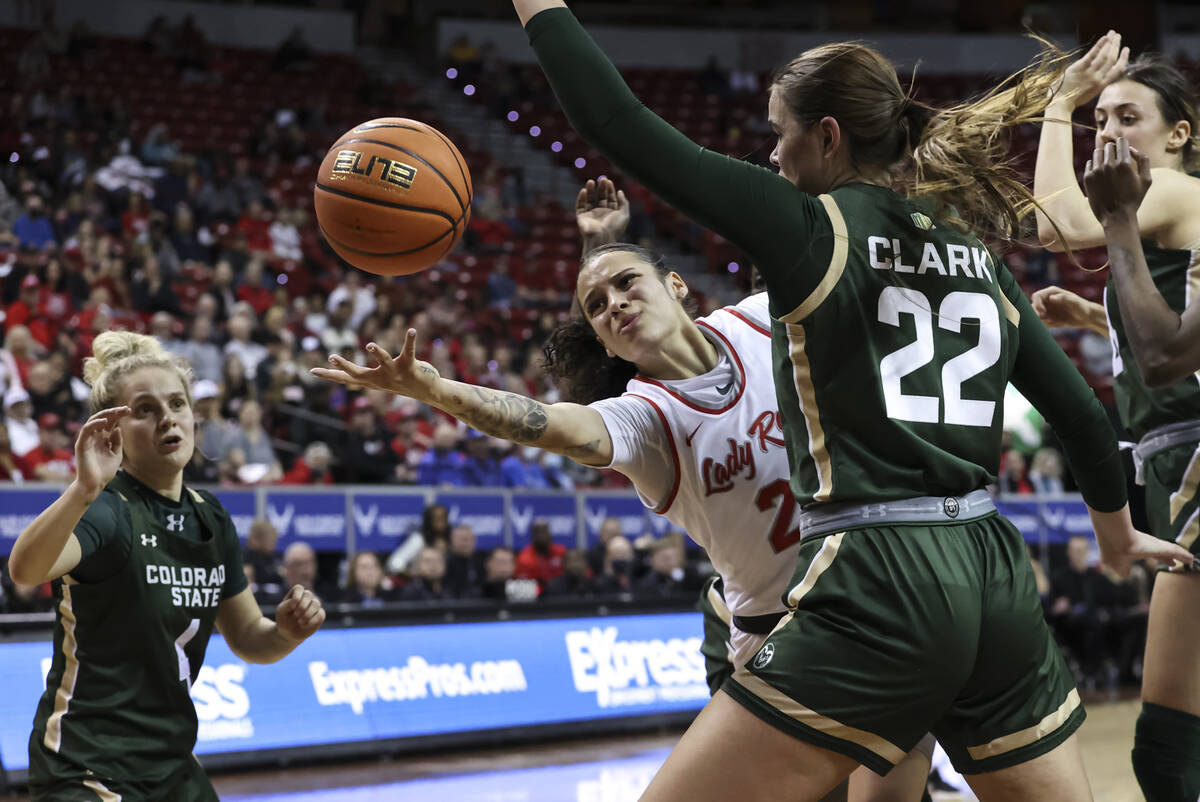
<point x="150" y="540"/>
<point x="175" y="523"/>
<point x="765" y="655"/>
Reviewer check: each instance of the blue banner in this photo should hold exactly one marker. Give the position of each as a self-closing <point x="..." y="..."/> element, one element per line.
<point x="318" y="519"/>
<point x="18" y="508"/>
<point x="1061" y="517"/>
<point x="626" y="509"/>
<point x="383" y="521"/>
<point x="484" y="513"/>
<point x="394" y="682"/>
<point x="557" y="510"/>
<point x="242" y="506"/>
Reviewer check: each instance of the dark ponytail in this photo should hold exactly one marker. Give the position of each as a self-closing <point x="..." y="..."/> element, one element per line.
<point x="574" y="355"/>
<point x="1175" y="99"/>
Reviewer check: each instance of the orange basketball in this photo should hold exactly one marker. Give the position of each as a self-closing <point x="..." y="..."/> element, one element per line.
<point x="393" y="196"/>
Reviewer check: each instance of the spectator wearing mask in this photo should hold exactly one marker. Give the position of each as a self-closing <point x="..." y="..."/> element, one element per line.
<point x="442" y="465"/>
<point x="465" y="566"/>
<point x="33" y="229"/>
<point x="542" y="558"/>
<point x="521" y="469"/>
<point x="666" y="577"/>
<point x="617" y="576"/>
<point x="365" y="583"/>
<point x="500" y="584"/>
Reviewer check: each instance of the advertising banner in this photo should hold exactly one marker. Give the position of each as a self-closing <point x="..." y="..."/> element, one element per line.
<point x="483" y="512"/>
<point x="383" y="521"/>
<point x="395" y="682"/>
<point x="242" y="506"/>
<point x="18" y="507"/>
<point x="318" y="519"/>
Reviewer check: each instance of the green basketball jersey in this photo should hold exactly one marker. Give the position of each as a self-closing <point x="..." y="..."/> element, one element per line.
<point x="1176" y="274"/>
<point x="127" y="648"/>
<point x="891" y="374"/>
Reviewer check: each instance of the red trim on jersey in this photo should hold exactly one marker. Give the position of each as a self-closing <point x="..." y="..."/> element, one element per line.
<point x="737" y="361"/>
<point x="662" y="508"/>
<point x="747" y="321"/>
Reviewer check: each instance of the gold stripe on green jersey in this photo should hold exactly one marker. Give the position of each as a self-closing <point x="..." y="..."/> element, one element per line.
<point x="810" y="718"/>
<point x="718" y="604"/>
<point x="1187" y="488"/>
<point x="807" y="394"/>
<point x="837" y="263"/>
<point x="1191" y="529"/>
<point x="819" y="565"/>
<point x="1016" y="740"/>
<point x="102" y="792"/>
<point x="1010" y="311"/>
<point x="66" y="687"/>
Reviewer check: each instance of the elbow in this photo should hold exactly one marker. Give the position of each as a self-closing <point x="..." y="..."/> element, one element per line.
<point x="1048" y="238"/>
<point x="19" y="573"/>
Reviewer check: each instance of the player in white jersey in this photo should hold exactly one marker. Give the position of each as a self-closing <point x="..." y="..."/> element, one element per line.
<point x="694" y="424"/>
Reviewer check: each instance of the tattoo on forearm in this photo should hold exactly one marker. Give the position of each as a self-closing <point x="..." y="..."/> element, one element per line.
<point x="506" y="415"/>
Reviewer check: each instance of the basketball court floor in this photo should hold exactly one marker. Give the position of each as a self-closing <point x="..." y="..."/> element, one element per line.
<point x="601" y="770"/>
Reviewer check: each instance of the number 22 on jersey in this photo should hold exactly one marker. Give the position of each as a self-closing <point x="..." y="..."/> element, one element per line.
<point x="955" y="308"/>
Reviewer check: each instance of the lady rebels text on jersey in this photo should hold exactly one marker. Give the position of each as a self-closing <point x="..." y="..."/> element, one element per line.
<point x="708" y="453"/>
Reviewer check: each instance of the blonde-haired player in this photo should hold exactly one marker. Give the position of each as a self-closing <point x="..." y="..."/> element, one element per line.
<point x="142" y="569"/>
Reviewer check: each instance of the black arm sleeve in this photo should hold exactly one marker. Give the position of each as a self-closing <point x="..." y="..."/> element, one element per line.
<point x="1046" y="376"/>
<point x="752" y="207"/>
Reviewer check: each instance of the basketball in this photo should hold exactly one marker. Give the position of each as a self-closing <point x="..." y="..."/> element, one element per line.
<point x="393" y="196"/>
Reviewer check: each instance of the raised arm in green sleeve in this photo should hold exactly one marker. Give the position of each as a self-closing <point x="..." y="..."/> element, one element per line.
<point x="783" y="229"/>
<point x="1047" y="377"/>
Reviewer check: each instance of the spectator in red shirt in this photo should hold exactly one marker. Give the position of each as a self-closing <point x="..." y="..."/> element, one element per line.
<point x="256" y="225"/>
<point x="135" y="220"/>
<point x="21" y="311"/>
<point x="542" y="559"/>
<point x="51" y="460"/>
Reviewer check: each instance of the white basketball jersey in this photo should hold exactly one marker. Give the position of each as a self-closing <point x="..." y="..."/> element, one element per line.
<point x="730" y="492"/>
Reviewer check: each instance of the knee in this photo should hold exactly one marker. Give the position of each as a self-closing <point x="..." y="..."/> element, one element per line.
<point x="1166" y="754"/>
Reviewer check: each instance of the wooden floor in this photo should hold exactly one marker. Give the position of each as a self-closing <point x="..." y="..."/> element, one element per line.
<point x="1106" y="739"/>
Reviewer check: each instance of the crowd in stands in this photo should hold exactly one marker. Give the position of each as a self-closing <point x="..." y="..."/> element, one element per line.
<point x="439" y="564"/>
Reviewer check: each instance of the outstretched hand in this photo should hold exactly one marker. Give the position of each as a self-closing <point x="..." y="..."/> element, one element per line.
<point x="1100" y="66"/>
<point x="1117" y="178"/>
<point x="601" y="212"/>
<point x="300" y="614"/>
<point x="403" y="375"/>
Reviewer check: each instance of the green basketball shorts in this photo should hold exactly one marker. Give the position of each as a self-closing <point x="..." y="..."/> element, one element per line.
<point x="901" y="630"/>
<point x="187" y="784"/>
<point x="1172" y="479"/>
<point x="718" y="660"/>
